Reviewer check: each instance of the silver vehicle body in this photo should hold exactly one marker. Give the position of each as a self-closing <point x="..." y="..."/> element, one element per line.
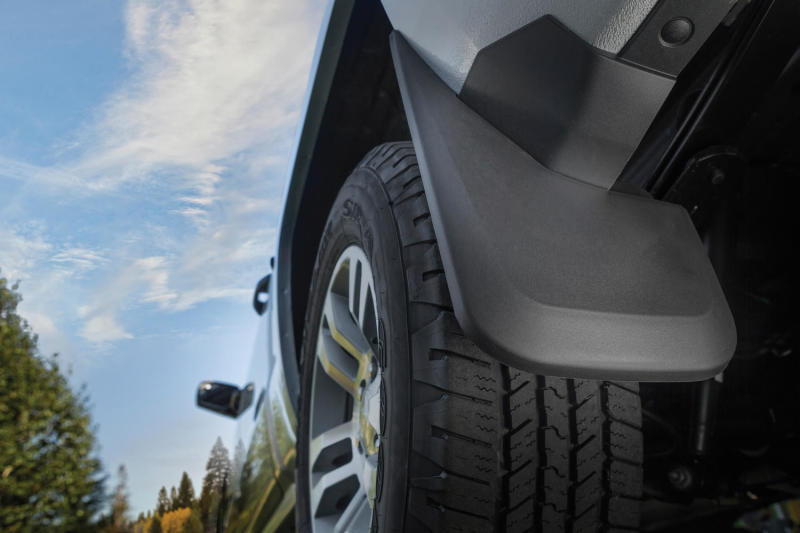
<point x="448" y="36"/>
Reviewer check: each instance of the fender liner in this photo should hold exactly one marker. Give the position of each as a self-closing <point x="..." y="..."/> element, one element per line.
<point x="556" y="275"/>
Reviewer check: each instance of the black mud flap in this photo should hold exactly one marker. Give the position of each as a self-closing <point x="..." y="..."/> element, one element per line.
<point x="555" y="275"/>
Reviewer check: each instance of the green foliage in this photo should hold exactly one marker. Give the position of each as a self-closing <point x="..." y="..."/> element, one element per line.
<point x="163" y="504"/>
<point x="173" y="499"/>
<point x="185" y="492"/>
<point x="218" y="466"/>
<point x="193" y="524"/>
<point x="119" y="502"/>
<point x="50" y="478"/>
<point x="239" y="456"/>
<point x="181" y="520"/>
<point x="155" y="524"/>
<point x="218" y="469"/>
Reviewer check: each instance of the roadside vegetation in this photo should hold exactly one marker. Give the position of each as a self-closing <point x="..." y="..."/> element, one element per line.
<point x="51" y="478"/>
<point x="179" y="510"/>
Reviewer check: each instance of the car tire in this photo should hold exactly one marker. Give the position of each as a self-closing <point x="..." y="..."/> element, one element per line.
<point x="466" y="443"/>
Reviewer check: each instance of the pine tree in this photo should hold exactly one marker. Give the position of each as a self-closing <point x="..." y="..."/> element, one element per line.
<point x="163" y="504"/>
<point x="119" y="502"/>
<point x="239" y="455"/>
<point x="218" y="469"/>
<point x="155" y="525"/>
<point x="50" y="478"/>
<point x="218" y="465"/>
<point x="173" y="498"/>
<point x="185" y="492"/>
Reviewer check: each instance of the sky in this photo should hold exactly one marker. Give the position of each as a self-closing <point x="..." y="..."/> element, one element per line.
<point x="144" y="148"/>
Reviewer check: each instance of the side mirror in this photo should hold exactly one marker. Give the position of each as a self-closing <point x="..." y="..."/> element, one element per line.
<point x="223" y="398"/>
<point x="261" y="295"/>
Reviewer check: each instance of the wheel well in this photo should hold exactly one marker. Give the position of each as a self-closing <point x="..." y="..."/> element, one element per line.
<point x="363" y="109"/>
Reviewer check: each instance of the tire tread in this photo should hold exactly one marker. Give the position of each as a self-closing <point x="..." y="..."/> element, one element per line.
<point x="495" y="448"/>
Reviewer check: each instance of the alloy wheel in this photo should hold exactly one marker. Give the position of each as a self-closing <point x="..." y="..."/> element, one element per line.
<point x="344" y="449"/>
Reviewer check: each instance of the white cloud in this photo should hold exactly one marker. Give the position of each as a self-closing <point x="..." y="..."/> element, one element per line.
<point x="21" y="252"/>
<point x="212" y="79"/>
<point x="42" y="324"/>
<point x="48" y="273"/>
<point x="202" y="128"/>
<point x="26" y="172"/>
<point x="211" y="108"/>
<point x="78" y="260"/>
<point x="104" y="328"/>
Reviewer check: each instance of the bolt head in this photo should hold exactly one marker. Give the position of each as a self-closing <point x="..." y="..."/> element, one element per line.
<point x="681" y="478"/>
<point x="676" y="32"/>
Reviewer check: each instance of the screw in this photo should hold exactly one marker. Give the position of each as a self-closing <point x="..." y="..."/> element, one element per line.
<point x="681" y="478"/>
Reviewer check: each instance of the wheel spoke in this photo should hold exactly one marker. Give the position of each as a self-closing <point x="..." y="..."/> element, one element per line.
<point x="356" y="517"/>
<point x="330" y="437"/>
<point x="347" y="335"/>
<point x="338" y="363"/>
<point x="329" y="480"/>
<point x="344" y="327"/>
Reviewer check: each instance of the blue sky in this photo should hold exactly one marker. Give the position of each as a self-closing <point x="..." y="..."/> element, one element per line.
<point x="143" y="156"/>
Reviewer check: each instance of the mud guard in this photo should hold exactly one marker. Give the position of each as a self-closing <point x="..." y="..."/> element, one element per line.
<point x="557" y="275"/>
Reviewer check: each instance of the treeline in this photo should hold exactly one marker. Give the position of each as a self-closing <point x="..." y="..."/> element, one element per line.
<point x="51" y="478"/>
<point x="179" y="511"/>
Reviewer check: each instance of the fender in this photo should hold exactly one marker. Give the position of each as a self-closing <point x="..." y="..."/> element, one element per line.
<point x="602" y="290"/>
<point x="549" y="270"/>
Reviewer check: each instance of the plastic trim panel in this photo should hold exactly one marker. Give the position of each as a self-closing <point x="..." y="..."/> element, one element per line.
<point x="449" y="33"/>
<point x="574" y="109"/>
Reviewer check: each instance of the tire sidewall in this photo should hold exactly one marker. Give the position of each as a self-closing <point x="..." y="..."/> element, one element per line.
<point x="362" y="215"/>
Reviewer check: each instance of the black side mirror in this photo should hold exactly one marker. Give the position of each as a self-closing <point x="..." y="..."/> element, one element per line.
<point x="223" y="398"/>
<point x="261" y="295"/>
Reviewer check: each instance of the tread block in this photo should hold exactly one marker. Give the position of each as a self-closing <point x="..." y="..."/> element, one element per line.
<point x="625" y="442"/>
<point x="623" y="406"/>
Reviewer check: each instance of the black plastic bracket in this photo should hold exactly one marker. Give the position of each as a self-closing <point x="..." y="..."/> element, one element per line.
<point x="674" y="32"/>
<point x="577" y="110"/>
<point x="555" y="275"/>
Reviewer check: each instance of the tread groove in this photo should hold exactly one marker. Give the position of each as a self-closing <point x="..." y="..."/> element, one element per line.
<point x="442" y="433"/>
<point x="449" y="392"/>
<point x="436" y="354"/>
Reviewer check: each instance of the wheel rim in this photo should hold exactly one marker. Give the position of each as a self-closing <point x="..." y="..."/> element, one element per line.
<point x="345" y="401"/>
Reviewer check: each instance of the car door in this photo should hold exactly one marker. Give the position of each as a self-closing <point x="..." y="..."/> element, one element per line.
<point x="255" y="491"/>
